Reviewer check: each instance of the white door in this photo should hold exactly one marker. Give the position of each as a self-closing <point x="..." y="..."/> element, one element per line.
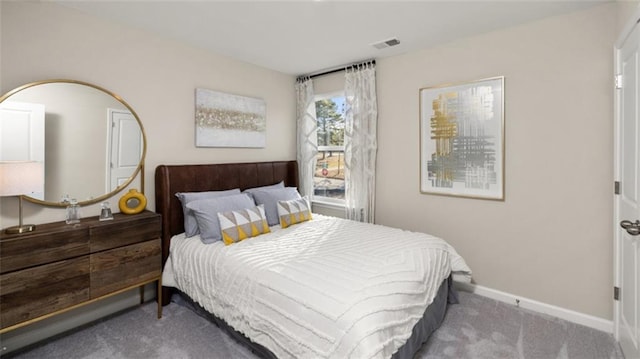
<point x="125" y="147"/>
<point x="22" y="134"/>
<point x="627" y="217"/>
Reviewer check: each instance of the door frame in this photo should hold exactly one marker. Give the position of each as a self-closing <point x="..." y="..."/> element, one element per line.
<point x="626" y="31"/>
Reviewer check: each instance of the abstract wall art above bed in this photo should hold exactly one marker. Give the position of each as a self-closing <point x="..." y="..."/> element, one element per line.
<point x="225" y="120"/>
<point x="462" y="139"/>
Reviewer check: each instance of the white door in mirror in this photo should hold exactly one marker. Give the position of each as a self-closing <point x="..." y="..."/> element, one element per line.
<point x="125" y="148"/>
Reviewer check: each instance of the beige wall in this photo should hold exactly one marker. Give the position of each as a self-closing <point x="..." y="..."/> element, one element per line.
<point x="156" y="76"/>
<point x="551" y="239"/>
<point x="625" y="10"/>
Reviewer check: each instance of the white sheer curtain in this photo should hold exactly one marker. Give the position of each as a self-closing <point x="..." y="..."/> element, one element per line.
<point x="360" y="141"/>
<point x="307" y="136"/>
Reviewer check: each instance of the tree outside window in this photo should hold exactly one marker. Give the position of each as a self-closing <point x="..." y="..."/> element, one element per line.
<point x="329" y="174"/>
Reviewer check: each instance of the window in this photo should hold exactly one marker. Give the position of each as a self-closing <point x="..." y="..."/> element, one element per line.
<point x="328" y="179"/>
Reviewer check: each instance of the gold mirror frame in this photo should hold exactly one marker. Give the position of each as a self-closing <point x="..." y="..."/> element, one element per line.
<point x="139" y="169"/>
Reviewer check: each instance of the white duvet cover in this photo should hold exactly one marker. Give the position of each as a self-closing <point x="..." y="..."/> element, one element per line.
<point x="326" y="288"/>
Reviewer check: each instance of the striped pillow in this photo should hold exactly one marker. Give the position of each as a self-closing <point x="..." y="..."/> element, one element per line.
<point x="242" y="224"/>
<point x="293" y="211"/>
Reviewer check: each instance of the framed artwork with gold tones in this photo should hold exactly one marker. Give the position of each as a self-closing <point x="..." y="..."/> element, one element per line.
<point x="227" y="120"/>
<point x="462" y="139"/>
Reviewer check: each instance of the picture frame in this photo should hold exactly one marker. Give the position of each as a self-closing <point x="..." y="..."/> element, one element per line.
<point x="227" y="120"/>
<point x="462" y="139"/>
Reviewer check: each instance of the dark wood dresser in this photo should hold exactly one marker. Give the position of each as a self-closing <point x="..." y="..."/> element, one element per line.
<point x="60" y="266"/>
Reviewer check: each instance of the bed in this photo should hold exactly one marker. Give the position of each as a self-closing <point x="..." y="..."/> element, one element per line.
<point x="321" y="287"/>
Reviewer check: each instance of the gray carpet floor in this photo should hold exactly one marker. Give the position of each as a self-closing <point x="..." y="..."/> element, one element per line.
<point x="477" y="328"/>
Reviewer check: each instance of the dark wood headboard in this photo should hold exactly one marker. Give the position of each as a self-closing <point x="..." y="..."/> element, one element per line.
<point x="211" y="177"/>
<point x="170" y="179"/>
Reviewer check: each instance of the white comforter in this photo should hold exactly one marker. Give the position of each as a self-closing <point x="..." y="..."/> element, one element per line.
<point x="326" y="288"/>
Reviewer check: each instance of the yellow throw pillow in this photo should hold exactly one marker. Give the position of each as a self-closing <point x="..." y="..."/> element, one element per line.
<point x="293" y="211"/>
<point x="242" y="224"/>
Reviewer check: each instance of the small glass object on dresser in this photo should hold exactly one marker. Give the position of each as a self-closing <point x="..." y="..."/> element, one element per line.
<point x="105" y="212"/>
<point x="73" y="212"/>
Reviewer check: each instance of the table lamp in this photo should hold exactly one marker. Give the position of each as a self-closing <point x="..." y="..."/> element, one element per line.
<point x="19" y="178"/>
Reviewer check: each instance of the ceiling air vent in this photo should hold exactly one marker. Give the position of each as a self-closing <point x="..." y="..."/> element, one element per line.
<point x="386" y="43"/>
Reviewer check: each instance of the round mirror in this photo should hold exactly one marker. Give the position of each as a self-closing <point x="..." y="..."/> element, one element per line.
<point x="90" y="141"/>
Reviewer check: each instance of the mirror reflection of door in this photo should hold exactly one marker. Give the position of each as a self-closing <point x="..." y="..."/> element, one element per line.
<point x="22" y="134"/>
<point x="125" y="147"/>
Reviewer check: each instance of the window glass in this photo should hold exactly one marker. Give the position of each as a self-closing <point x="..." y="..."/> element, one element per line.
<point x="329" y="175"/>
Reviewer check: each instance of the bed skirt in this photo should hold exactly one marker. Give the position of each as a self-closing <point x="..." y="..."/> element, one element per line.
<point x="431" y="320"/>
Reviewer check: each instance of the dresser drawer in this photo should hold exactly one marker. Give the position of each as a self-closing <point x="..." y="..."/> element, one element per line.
<point x="60" y="266"/>
<point x="33" y="292"/>
<point x="43" y="247"/>
<point x="124" y="230"/>
<point x="123" y="267"/>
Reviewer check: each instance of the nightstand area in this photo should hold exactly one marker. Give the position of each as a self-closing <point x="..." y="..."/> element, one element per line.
<point x="60" y="266"/>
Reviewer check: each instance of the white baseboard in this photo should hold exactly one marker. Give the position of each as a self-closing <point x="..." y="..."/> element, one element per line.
<point x="530" y="304"/>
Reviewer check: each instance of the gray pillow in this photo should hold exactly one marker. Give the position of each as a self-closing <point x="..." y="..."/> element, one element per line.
<point x="250" y="191"/>
<point x="190" y="224"/>
<point x="270" y="197"/>
<point x="206" y="213"/>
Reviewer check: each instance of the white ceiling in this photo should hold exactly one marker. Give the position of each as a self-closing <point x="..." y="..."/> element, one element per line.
<point x="305" y="37"/>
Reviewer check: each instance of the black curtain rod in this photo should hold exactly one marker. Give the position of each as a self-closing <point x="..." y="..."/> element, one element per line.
<point x="343" y="68"/>
<point x="327" y="72"/>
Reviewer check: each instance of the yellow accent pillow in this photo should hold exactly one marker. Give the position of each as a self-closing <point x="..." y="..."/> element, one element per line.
<point x="293" y="211"/>
<point x="242" y="224"/>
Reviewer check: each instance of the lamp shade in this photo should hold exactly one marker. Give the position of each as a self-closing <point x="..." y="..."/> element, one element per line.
<point x="21" y="177"/>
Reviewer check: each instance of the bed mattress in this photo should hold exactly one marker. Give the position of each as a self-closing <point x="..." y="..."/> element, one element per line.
<point x="326" y="288"/>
